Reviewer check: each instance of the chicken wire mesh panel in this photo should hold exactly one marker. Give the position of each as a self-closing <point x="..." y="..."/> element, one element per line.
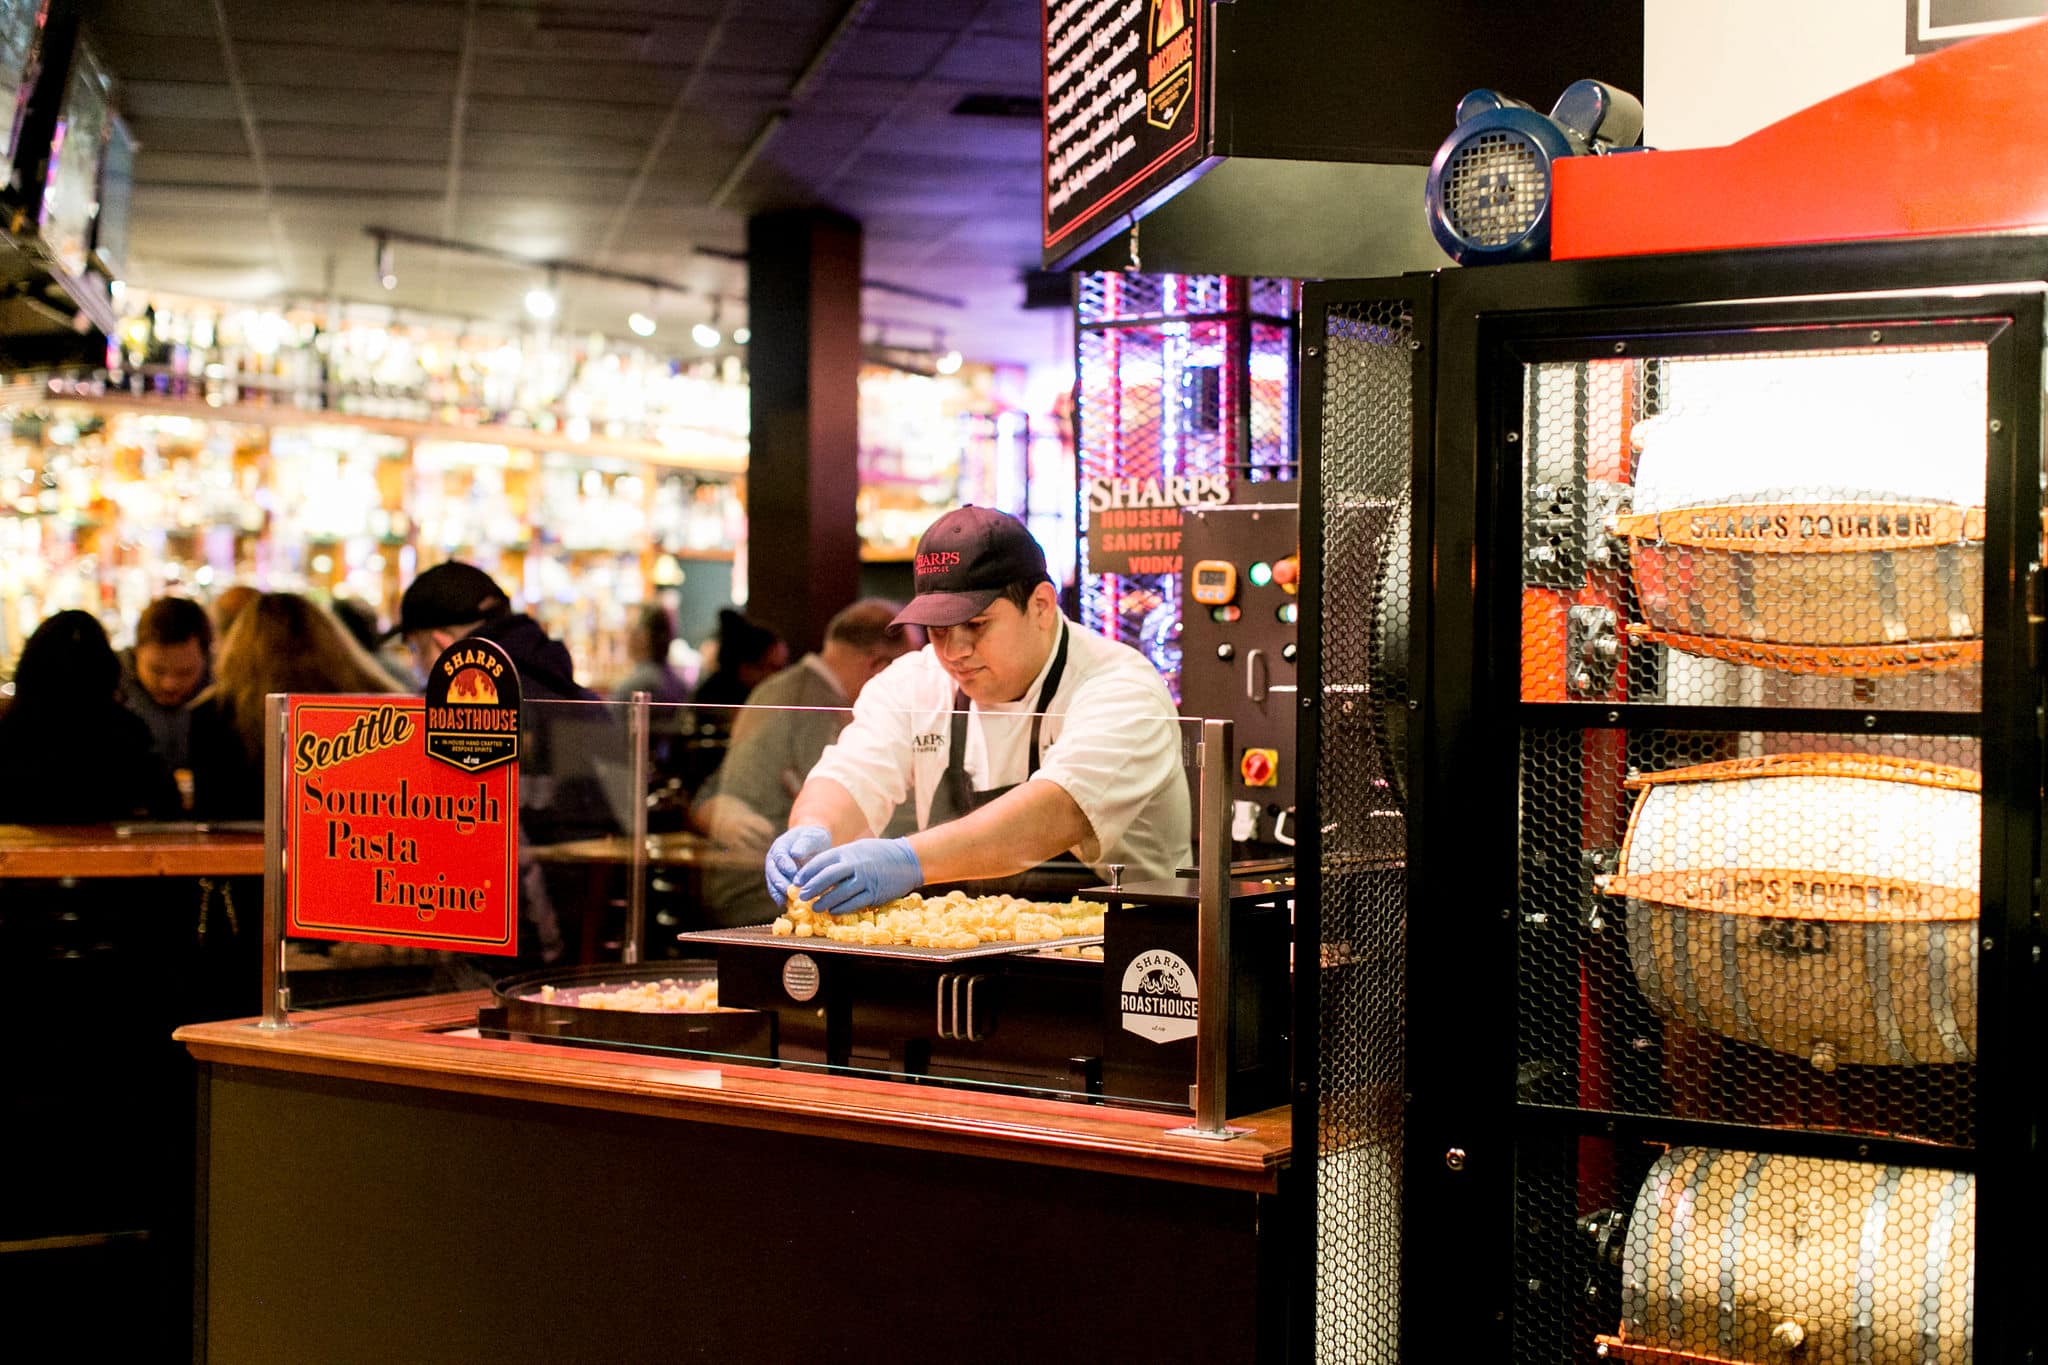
<point x="1366" y="443"/>
<point x="1631" y="1251"/>
<point x="1271" y="427"/>
<point x="1768" y="929"/>
<point x="1787" y="529"/>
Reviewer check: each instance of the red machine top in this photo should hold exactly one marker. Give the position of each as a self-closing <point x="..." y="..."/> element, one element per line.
<point x="1954" y="143"/>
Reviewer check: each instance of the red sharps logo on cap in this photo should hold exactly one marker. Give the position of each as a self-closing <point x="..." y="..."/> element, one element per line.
<point x="937" y="562"/>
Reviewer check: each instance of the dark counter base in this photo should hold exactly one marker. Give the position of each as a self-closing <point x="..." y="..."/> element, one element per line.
<point x="354" y="1221"/>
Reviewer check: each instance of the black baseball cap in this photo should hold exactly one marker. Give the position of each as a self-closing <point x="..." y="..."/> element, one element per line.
<point x="964" y="561"/>
<point x="451" y="594"/>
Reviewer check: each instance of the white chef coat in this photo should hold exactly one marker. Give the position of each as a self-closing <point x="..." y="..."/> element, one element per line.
<point x="1110" y="739"/>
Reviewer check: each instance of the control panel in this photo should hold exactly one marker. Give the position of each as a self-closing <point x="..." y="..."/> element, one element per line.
<point x="1238" y="645"/>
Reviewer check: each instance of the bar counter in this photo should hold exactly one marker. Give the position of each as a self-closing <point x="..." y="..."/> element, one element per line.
<point x="50" y="851"/>
<point x="378" y="1182"/>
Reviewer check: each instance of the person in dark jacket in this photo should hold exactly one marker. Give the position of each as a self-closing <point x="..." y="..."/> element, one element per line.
<point x="748" y="652"/>
<point x="454" y="600"/>
<point x="561" y="793"/>
<point x="70" y="752"/>
<point x="169" y="666"/>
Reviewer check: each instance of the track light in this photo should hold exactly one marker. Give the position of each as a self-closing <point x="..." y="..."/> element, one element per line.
<point x="642" y="325"/>
<point x="387" y="267"/>
<point x="742" y="335"/>
<point x="949" y="362"/>
<point x="541" y="301"/>
<point x="707" y="334"/>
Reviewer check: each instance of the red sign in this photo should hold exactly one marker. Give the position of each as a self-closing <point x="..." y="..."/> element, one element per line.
<point x="386" y="845"/>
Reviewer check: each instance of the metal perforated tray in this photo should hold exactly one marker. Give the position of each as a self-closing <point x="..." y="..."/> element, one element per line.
<point x="759" y="936"/>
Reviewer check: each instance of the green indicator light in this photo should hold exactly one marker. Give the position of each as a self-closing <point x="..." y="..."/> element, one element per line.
<point x="1289" y="612"/>
<point x="1260" y="574"/>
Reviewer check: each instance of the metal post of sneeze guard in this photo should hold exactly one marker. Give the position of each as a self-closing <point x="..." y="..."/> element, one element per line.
<point x="277" y="997"/>
<point x="638" y="728"/>
<point x="1212" y="940"/>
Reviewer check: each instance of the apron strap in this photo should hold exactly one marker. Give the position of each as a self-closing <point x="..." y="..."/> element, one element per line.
<point x="964" y="795"/>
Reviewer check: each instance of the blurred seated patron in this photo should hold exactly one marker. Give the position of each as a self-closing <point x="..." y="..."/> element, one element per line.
<point x="70" y="752"/>
<point x="171" y="663"/>
<point x="360" y="620"/>
<point x="746" y="803"/>
<point x="229" y="604"/>
<point x="747" y="653"/>
<point x="454" y="600"/>
<point x="648" y="643"/>
<point x="282" y="642"/>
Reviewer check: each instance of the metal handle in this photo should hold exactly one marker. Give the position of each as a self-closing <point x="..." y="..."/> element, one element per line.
<point x="1255" y="675"/>
<point x="1212" y="938"/>
<point x="277" y="998"/>
<point x="636" y="886"/>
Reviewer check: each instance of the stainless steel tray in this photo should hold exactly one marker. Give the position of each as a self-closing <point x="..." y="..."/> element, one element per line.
<point x="759" y="936"/>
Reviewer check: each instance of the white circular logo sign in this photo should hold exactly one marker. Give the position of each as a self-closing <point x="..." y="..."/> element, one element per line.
<point x="1159" y="998"/>
<point x="800" y="976"/>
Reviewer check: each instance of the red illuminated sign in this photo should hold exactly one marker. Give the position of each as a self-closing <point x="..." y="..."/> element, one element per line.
<point x="386" y="845"/>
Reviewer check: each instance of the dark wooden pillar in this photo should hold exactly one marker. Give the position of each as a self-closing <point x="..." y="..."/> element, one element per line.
<point x="803" y="304"/>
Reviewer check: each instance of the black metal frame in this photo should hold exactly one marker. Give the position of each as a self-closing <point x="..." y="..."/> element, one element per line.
<point x="1463" y="935"/>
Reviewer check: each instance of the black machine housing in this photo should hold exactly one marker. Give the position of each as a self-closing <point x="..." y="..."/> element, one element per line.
<point x="1482" y="1084"/>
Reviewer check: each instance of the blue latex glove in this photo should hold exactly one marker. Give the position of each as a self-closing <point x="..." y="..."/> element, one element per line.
<point x="859" y="875"/>
<point x="788" y="854"/>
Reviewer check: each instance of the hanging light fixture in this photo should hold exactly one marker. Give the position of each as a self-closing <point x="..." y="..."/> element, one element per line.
<point x="641" y="323"/>
<point x="707" y="334"/>
<point x="541" y="301"/>
<point x="947" y="359"/>
<point x="387" y="266"/>
<point x="742" y="334"/>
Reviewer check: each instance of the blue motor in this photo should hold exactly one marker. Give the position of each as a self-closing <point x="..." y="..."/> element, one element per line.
<point x="1489" y="186"/>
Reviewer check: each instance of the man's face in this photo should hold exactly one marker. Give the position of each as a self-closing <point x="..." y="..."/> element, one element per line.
<point x="993" y="657"/>
<point x="426" y="646"/>
<point x="171" y="674"/>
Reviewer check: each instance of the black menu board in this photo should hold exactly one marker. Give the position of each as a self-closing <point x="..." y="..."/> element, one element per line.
<point x="1126" y="109"/>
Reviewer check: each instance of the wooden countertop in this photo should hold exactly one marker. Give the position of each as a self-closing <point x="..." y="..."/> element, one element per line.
<point x="102" y="851"/>
<point x="413" y="1043"/>
<point x="674" y="849"/>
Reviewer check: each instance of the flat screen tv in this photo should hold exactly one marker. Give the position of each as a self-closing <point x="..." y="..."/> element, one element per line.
<point x="72" y="193"/>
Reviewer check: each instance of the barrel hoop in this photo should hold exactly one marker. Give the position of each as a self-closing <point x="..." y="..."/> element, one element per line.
<point x="1885" y="568"/>
<point x="1681" y="1231"/>
<point x="1869" y="1249"/>
<point x="1877" y="973"/>
<point x="1731" y="1249"/>
<point x="1642" y="951"/>
<point x="1731" y="980"/>
<point x="1681" y="965"/>
<point x="1635" y="1254"/>
<point x="1948" y="571"/>
<point x="1939" y="998"/>
<point x="1938" y="1238"/>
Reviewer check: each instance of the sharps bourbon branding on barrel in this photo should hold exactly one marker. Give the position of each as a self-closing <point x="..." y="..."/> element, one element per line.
<point x="1159" y="997"/>
<point x="473" y="706"/>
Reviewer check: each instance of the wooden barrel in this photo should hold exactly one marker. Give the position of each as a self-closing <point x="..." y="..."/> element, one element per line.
<point x="1849" y="588"/>
<point x="1823" y="905"/>
<point x="1814" y="513"/>
<point x="1738" y="1256"/>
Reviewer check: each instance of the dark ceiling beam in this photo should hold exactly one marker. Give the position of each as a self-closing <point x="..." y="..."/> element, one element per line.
<point x="806" y="80"/>
<point x="246" y="112"/>
<point x="903" y="101"/>
<point x="458" y="118"/>
<point x="660" y="142"/>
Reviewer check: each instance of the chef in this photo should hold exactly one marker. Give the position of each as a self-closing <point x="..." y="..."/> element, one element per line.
<point x="1019" y="737"/>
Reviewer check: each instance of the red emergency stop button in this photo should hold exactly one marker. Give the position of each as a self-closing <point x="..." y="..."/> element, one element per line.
<point x="1287" y="573"/>
<point x="1260" y="767"/>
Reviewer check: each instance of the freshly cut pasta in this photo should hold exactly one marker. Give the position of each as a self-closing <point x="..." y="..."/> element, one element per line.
<point x="953" y="920"/>
<point x="667" y="996"/>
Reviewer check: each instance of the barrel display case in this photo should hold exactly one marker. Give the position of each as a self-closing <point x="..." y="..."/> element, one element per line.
<point x="1717" y="771"/>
